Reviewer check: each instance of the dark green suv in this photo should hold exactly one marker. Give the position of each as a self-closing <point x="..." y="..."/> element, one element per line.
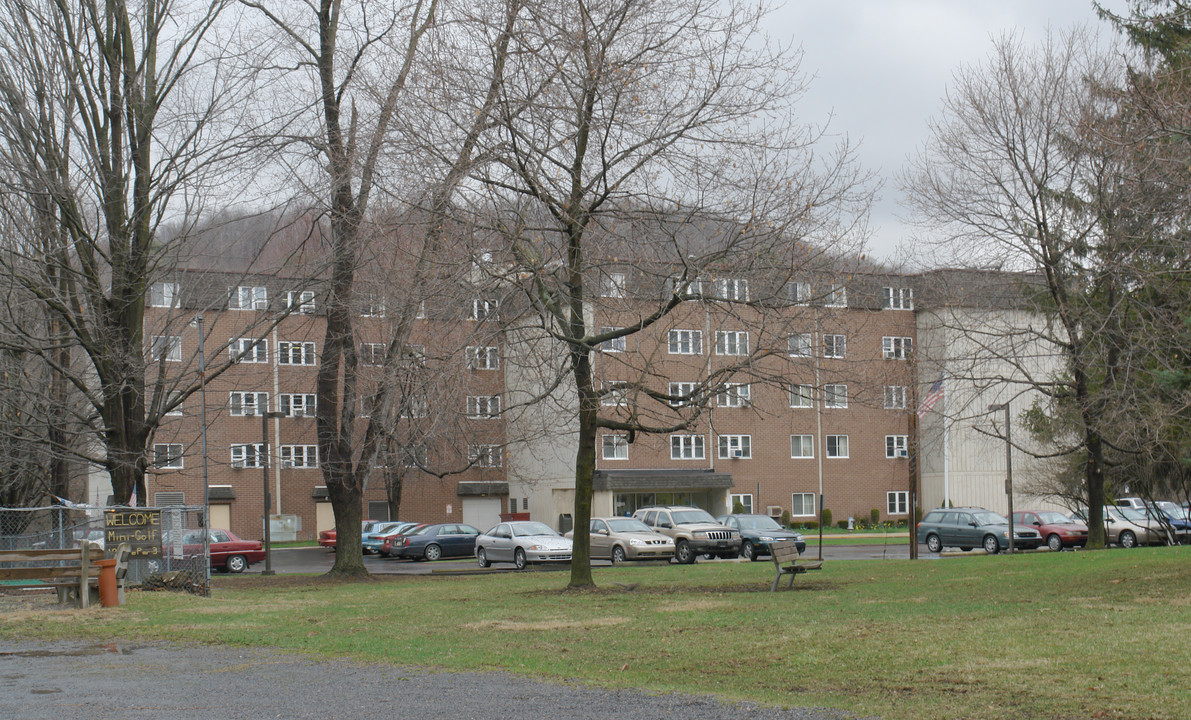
<point x="969" y="527"/>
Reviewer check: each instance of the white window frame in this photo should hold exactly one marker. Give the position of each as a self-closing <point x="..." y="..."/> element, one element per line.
<point x="735" y="447"/>
<point x="835" y="345"/>
<point x="483" y="357"/>
<point x="800" y="344"/>
<point x="898" y="298"/>
<point x="485" y="456"/>
<point x="897" y="446"/>
<point x="614" y="285"/>
<point x="613" y="345"/>
<point x="169" y="345"/>
<point x="688" y="447"/>
<point x="614" y="447"/>
<point x="372" y="305"/>
<point x="247" y="455"/>
<point x="300" y="301"/>
<point x="414" y="456"/>
<point x="372" y="354"/>
<point x="802" y="396"/>
<point x="798" y="509"/>
<point x="254" y="350"/>
<point x="836" y="447"/>
<point x="248" y="297"/>
<point x="731" y="342"/>
<point x="896" y="348"/>
<point x="798" y="292"/>
<point x="897" y="502"/>
<point x="168" y="456"/>
<point x="686" y="342"/>
<point x="165" y="295"/>
<point x="802" y="447"/>
<point x="732" y="289"/>
<point x="615" y="393"/>
<point x="683" y="388"/>
<point x="694" y="288"/>
<point x="483" y="407"/>
<point x="484" y="309"/>
<point x="745" y="499"/>
<point x="837" y="296"/>
<point x="734" y="395"/>
<point x="247" y="404"/>
<point x="299" y="456"/>
<point x="835" y="395"/>
<point x="304" y="351"/>
<point x="896" y="397"/>
<point x="298" y="404"/>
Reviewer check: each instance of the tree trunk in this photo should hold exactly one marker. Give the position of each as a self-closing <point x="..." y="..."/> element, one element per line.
<point x="584" y="470"/>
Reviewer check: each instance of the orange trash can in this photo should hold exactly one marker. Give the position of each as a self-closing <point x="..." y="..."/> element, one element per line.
<point x="109" y="590"/>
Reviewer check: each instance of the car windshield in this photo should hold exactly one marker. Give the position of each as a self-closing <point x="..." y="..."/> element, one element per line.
<point x="987" y="517"/>
<point x="758" y="522"/>
<point x="524" y="529"/>
<point x="1131" y="513"/>
<point x="692" y="516"/>
<point x="1053" y="518"/>
<point x="624" y="525"/>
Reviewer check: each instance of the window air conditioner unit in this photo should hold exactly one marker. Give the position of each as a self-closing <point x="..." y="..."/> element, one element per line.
<point x="774" y="511"/>
<point x="901" y="453"/>
<point x="737" y="453"/>
<point x="287" y="463"/>
<point x="238" y="464"/>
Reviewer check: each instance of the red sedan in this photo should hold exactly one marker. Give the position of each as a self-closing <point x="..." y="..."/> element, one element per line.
<point x="327" y="538"/>
<point x="1056" y="529"/>
<point x="228" y="551"/>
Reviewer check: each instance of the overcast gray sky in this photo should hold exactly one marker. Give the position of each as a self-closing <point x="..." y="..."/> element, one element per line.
<point x="881" y="66"/>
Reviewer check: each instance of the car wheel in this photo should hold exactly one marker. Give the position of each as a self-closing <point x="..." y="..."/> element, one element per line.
<point x="1128" y="539"/>
<point x="236" y="564"/>
<point x="991" y="545"/>
<point x="934" y="544"/>
<point x="519" y="559"/>
<point x="1054" y="542"/>
<point x="683" y="553"/>
<point x="747" y="550"/>
<point x="617" y="555"/>
<point x="433" y="552"/>
<point x="482" y="558"/>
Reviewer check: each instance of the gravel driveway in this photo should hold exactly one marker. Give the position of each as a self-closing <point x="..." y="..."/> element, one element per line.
<point x="51" y="681"/>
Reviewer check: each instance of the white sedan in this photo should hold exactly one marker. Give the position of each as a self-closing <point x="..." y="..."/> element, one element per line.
<point x="522" y="542"/>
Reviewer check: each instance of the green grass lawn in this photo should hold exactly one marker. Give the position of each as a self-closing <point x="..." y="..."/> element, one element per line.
<point x="1036" y="635"/>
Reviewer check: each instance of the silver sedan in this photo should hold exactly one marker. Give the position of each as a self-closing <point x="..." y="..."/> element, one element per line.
<point x="522" y="542"/>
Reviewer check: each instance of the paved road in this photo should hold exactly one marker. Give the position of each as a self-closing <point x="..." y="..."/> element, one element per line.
<point x="52" y="681"/>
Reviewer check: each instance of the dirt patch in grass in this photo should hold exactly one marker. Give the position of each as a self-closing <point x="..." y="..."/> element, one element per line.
<point x="547" y="624"/>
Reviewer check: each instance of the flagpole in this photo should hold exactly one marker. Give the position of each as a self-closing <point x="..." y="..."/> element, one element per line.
<point x="946" y="446"/>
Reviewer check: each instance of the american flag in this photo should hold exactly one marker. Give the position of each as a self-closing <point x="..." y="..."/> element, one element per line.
<point x="932" y="397"/>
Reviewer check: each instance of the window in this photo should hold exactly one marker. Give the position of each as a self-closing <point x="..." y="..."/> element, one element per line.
<point x="615" y="394"/>
<point x="798" y="293"/>
<point x="799" y="345"/>
<point x="248" y="350"/>
<point x="247" y="298"/>
<point x="686" y="447"/>
<point x="685" y="390"/>
<point x="248" y="456"/>
<point x="897" y="503"/>
<point x="164" y="294"/>
<point x="834" y="346"/>
<point x="295" y="353"/>
<point x="686" y="342"/>
<point x="372" y="305"/>
<point x="372" y="353"/>
<point x="837" y="296"/>
<point x="249" y="403"/>
<point x="488" y="456"/>
<point x="616" y="447"/>
<point x="693" y="288"/>
<point x="897" y="347"/>
<point x="895" y="446"/>
<point x="802" y="396"/>
<point x="483" y="309"/>
<point x="745" y="500"/>
<point x="613" y="285"/>
<point x="483" y="407"/>
<point x="802" y="446"/>
<point x="898" y="298"/>
<point x="413" y="406"/>
<point x="895" y="397"/>
<point x="616" y="344"/>
<point x="299" y="456"/>
<point x="167" y="456"/>
<point x="837" y="446"/>
<point x="835" y="396"/>
<point x="736" y="446"/>
<point x="483" y="358"/>
<point x="733" y="395"/>
<point x="732" y="289"/>
<point x="300" y="301"/>
<point x="731" y="342"/>
<point x="298" y="404"/>
<point x="168" y="347"/>
<point x="413" y="456"/>
<point x="802" y="504"/>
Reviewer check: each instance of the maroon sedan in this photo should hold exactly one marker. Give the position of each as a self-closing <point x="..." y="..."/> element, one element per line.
<point x="1056" y="529"/>
<point x="228" y="552"/>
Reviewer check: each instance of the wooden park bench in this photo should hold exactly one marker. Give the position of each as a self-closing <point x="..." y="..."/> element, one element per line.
<point x="72" y="572"/>
<point x="785" y="561"/>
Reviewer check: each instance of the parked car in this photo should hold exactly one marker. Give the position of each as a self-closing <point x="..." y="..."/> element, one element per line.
<point x="1165" y="512"/>
<point x="1130" y="527"/>
<point x="759" y="532"/>
<point x="370" y="539"/>
<point x="694" y="530"/>
<point x="432" y="542"/>
<point x="969" y="527"/>
<point x="522" y="542"/>
<point x="620" y="538"/>
<point x="328" y="538"/>
<point x="229" y="552"/>
<point x="390" y="542"/>
<point x="1058" y="531"/>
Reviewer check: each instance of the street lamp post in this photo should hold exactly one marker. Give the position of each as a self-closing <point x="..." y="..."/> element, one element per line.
<point x="264" y="458"/>
<point x="1008" y="466"/>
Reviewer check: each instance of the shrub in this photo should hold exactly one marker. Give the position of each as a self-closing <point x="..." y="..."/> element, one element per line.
<point x="826" y="517"/>
<point x="842" y="524"/>
<point x="812" y="525"/>
<point x="737" y="507"/>
<point x="785" y="518"/>
<point x="874" y="517"/>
